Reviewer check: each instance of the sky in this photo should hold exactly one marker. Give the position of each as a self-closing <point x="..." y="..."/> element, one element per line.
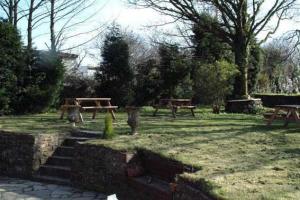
<point x="119" y="11"/>
<point x="105" y="12"/>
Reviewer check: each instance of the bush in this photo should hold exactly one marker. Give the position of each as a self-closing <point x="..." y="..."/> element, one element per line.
<point x="168" y="77"/>
<point x="214" y="82"/>
<point x="76" y="85"/>
<point x="42" y="85"/>
<point x="108" y="129"/>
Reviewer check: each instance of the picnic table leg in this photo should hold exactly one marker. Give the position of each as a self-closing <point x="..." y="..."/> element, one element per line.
<point x="174" y="112"/>
<point x="110" y="110"/>
<point x="62" y="112"/>
<point x="296" y="114"/>
<point x="98" y="104"/>
<point x="112" y="113"/>
<point x="287" y="118"/>
<point x="155" y="112"/>
<point x="270" y="121"/>
<point x="192" y="110"/>
<point x="94" y="114"/>
<point x="80" y="117"/>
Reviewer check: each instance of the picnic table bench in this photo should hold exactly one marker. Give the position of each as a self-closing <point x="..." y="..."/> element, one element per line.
<point x="96" y="105"/>
<point x="287" y="113"/>
<point x="174" y="105"/>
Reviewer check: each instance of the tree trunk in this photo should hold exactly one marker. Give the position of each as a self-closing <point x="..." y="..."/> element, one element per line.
<point x="52" y="24"/>
<point x="15" y="13"/>
<point x="29" y="38"/>
<point x="29" y="26"/>
<point x="241" y="52"/>
<point x="11" y="11"/>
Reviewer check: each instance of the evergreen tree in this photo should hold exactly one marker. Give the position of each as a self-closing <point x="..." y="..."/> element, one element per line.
<point x="11" y="62"/>
<point x="208" y="48"/>
<point x="148" y="82"/>
<point x="173" y="69"/>
<point x="255" y="64"/>
<point x="114" y="75"/>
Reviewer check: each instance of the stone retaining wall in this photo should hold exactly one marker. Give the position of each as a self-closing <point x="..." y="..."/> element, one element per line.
<point x="104" y="170"/>
<point x="187" y="191"/>
<point x="96" y="168"/>
<point x="271" y="100"/>
<point x="100" y="169"/>
<point x="22" y="154"/>
<point x="247" y="106"/>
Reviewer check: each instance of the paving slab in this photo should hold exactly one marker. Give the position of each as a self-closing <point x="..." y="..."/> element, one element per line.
<point x="16" y="189"/>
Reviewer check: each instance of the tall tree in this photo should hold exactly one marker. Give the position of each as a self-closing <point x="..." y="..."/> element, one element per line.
<point x="32" y="19"/>
<point x="10" y="9"/>
<point x="114" y="75"/>
<point x="239" y="20"/>
<point x="61" y="18"/>
<point x="10" y="65"/>
<point x="173" y="68"/>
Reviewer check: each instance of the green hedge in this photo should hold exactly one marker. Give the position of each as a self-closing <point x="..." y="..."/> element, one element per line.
<point x="271" y="100"/>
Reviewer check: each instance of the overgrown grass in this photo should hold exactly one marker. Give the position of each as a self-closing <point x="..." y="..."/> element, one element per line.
<point x="238" y="153"/>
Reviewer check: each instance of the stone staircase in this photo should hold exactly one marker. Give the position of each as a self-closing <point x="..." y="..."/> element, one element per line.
<point x="57" y="169"/>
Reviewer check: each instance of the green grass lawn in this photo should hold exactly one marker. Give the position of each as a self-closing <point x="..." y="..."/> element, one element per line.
<point x="239" y="154"/>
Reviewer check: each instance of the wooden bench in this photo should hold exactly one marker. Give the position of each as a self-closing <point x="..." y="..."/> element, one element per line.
<point x="174" y="105"/>
<point x="290" y="114"/>
<point x="268" y="115"/>
<point x="98" y="104"/>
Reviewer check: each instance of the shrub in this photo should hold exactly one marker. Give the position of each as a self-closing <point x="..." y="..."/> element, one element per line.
<point x="214" y="82"/>
<point x="42" y="85"/>
<point x="76" y="85"/>
<point x="108" y="132"/>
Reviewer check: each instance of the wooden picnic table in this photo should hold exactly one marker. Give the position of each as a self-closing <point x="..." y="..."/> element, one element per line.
<point x="97" y="104"/>
<point x="174" y="105"/>
<point x="290" y="114"/>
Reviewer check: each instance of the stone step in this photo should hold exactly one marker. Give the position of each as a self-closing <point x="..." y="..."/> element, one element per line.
<point x="151" y="187"/>
<point x="51" y="179"/>
<point x="70" y="141"/>
<point x="55" y="171"/>
<point x="59" y="161"/>
<point x="87" y="134"/>
<point x="64" y="151"/>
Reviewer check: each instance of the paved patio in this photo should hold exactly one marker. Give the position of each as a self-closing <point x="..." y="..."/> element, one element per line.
<point x="15" y="189"/>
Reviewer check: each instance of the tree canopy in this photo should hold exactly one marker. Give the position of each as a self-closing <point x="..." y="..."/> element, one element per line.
<point x="239" y="22"/>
